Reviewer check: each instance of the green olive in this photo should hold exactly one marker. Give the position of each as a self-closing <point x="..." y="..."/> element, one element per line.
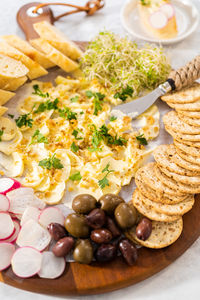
<point x="84" y="203"/>
<point x="83" y="253"/>
<point x="125" y="215"/>
<point x="76" y="225"/>
<point x="109" y="202"/>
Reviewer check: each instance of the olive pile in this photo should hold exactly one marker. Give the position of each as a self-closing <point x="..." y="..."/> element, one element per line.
<point x="95" y="230"/>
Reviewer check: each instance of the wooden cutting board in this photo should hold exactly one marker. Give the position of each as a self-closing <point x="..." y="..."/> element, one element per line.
<point x="100" y="278"/>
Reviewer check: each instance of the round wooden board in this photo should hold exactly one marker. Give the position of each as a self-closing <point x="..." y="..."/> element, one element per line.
<point x="100" y="278"/>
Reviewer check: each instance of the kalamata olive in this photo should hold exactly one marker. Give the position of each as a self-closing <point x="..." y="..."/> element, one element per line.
<point x="106" y="252"/>
<point x="112" y="227"/>
<point x="101" y="236"/>
<point x="109" y="202"/>
<point x="57" y="231"/>
<point x="96" y="218"/>
<point x="63" y="246"/>
<point x="128" y="251"/>
<point x="84" y="203"/>
<point x="144" y="229"/>
<point x="125" y="215"/>
<point x="83" y="252"/>
<point x="76" y="225"/>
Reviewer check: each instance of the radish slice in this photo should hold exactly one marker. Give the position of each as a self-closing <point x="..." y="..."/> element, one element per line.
<point x="4" y="203"/>
<point x="51" y="215"/>
<point x="158" y="20"/>
<point x="30" y="213"/>
<point x="8" y="184"/>
<point x="13" y="238"/>
<point x="6" y="252"/>
<point x="26" y="262"/>
<point x="21" y="198"/>
<point x="168" y="10"/>
<point x="7" y="227"/>
<point x="52" y="266"/>
<point x="33" y="235"/>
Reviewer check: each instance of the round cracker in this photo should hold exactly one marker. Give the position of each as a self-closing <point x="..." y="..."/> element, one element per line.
<point x="182" y="187"/>
<point x="148" y="212"/>
<point x="163" y="234"/>
<point x="188" y="143"/>
<point x="182" y="136"/>
<point x="191" y="114"/>
<point x="164" y="160"/>
<point x="195" y="106"/>
<point x="188" y="120"/>
<point x="188" y="157"/>
<point x="154" y="196"/>
<point x="172" y="120"/>
<point x="186" y="95"/>
<point x="187" y="149"/>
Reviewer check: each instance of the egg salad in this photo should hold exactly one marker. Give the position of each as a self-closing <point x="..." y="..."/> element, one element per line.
<point x="65" y="139"/>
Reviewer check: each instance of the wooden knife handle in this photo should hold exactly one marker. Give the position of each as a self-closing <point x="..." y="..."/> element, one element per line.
<point x="186" y="75"/>
<point x="26" y="18"/>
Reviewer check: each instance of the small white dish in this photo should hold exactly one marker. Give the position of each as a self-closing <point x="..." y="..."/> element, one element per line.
<point x="187" y="17"/>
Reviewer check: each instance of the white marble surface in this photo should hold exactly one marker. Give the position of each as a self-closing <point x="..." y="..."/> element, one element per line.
<point x="181" y="279"/>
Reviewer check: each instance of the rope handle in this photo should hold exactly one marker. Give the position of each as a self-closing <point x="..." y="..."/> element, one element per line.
<point x="90" y="8"/>
<point x="186" y="75"/>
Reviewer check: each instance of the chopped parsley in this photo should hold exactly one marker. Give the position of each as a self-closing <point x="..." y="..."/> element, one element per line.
<point x="48" y="105"/>
<point x="113" y="118"/>
<point x="24" y="120"/>
<point x="96" y="140"/>
<point x="98" y="98"/>
<point x="66" y="113"/>
<point x="142" y="139"/>
<point x="1" y="133"/>
<point x="51" y="162"/>
<point x="38" y="92"/>
<point x="38" y="138"/>
<point x="75" y="134"/>
<point x="104" y="181"/>
<point x="76" y="177"/>
<point x="144" y="2"/>
<point x="74" y="147"/>
<point x="74" y="99"/>
<point x="125" y="93"/>
<point x="81" y="112"/>
<point x="11" y="116"/>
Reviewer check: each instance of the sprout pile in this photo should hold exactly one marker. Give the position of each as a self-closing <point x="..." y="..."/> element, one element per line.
<point x="119" y="64"/>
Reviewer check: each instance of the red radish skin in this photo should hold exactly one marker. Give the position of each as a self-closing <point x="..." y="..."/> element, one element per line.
<point x="51" y="215"/>
<point x="6" y="252"/>
<point x="8" y="184"/>
<point x="4" y="203"/>
<point x="158" y="20"/>
<point x="7" y="227"/>
<point x="52" y="266"/>
<point x="168" y="10"/>
<point x="13" y="238"/>
<point x="26" y="262"/>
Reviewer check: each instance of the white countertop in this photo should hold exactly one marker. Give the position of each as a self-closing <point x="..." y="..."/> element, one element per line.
<point x="181" y="279"/>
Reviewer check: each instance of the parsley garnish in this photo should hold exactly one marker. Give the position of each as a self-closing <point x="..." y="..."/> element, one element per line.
<point x="38" y="92"/>
<point x="98" y="97"/>
<point x="128" y="91"/>
<point x="113" y="118"/>
<point x="76" y="177"/>
<point x="48" y="105"/>
<point x="11" y="116"/>
<point x="24" y="120"/>
<point x="75" y="134"/>
<point x="67" y="114"/>
<point x="74" y="99"/>
<point x="145" y="2"/>
<point x="74" y="147"/>
<point x="142" y="139"/>
<point x="96" y="140"/>
<point x="104" y="181"/>
<point x="38" y="138"/>
<point x="1" y="133"/>
<point x="51" y="162"/>
<point x="81" y="112"/>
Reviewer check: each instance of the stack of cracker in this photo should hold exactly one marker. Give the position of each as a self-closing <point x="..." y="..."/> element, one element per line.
<point x="165" y="188"/>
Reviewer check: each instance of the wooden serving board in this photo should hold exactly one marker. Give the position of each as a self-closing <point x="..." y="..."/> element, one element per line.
<point x="100" y="278"/>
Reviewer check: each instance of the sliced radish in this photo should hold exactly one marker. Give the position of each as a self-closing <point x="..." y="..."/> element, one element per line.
<point x="52" y="266"/>
<point x="51" y="215"/>
<point x="4" y="203"/>
<point x="8" y="184"/>
<point x="168" y="10"/>
<point x="30" y="213"/>
<point x="7" y="227"/>
<point x="34" y="235"/>
<point x="158" y="20"/>
<point x="26" y="262"/>
<point x="13" y="238"/>
<point x="21" y="198"/>
<point x="6" y="252"/>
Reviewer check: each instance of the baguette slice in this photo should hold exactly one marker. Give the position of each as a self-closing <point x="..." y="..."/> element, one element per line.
<point x="3" y="109"/>
<point x="35" y="70"/>
<point x="54" y="55"/>
<point x="57" y="39"/>
<point x="5" y="96"/>
<point x="11" y="68"/>
<point x="12" y="84"/>
<point x="28" y="50"/>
